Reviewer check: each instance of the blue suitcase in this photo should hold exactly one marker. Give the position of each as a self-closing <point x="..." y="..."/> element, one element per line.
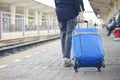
<point x="87" y="49"/>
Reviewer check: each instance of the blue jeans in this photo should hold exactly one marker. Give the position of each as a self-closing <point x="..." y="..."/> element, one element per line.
<point x="66" y="29"/>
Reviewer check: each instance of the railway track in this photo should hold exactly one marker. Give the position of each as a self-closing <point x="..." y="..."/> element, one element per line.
<point x="5" y="51"/>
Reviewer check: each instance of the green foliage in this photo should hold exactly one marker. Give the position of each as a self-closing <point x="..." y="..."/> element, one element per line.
<point x="119" y="18"/>
<point x="31" y="21"/>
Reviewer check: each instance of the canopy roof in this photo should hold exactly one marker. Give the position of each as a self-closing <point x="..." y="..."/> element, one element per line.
<point x="105" y="8"/>
<point x="21" y="4"/>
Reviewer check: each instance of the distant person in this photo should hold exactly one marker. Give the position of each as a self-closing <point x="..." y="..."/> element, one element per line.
<point x="67" y="12"/>
<point x="95" y="25"/>
<point x="109" y="24"/>
<point x="113" y="26"/>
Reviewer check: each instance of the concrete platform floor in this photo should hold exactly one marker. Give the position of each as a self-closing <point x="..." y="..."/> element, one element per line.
<point x="45" y="63"/>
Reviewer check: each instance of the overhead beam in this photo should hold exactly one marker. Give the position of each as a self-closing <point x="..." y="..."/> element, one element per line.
<point x="106" y="8"/>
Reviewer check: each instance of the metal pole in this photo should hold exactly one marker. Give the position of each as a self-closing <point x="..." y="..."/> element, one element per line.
<point x="1" y="26"/>
<point x="23" y="26"/>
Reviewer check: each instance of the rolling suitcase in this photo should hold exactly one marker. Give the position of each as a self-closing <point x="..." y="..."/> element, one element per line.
<point x="117" y="33"/>
<point x="87" y="49"/>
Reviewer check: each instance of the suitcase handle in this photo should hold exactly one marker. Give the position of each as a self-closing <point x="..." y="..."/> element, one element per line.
<point x="85" y="21"/>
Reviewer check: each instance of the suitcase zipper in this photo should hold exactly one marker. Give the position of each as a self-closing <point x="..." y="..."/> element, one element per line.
<point x="80" y="43"/>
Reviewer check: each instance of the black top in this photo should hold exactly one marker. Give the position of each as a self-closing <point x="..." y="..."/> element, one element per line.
<point x="68" y="9"/>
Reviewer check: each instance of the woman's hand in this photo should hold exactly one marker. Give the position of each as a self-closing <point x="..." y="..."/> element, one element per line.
<point x="81" y="19"/>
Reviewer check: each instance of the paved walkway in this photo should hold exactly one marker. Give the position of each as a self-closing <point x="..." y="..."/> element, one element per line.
<point x="12" y="35"/>
<point x="45" y="63"/>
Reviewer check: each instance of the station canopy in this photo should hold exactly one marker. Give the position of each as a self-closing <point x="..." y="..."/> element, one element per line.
<point x="105" y="8"/>
<point x="32" y="5"/>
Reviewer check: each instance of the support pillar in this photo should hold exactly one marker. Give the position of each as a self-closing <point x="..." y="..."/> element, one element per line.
<point x="25" y="21"/>
<point x="53" y="24"/>
<point x="36" y="21"/>
<point x="12" y="25"/>
<point x="48" y="23"/>
<point x="39" y="21"/>
<point x="1" y="27"/>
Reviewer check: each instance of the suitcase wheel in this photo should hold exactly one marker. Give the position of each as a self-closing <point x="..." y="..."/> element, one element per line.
<point x="103" y="64"/>
<point x="75" y="69"/>
<point x="76" y="65"/>
<point x="99" y="69"/>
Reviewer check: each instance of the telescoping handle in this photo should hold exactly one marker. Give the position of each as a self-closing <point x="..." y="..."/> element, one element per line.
<point x="80" y="25"/>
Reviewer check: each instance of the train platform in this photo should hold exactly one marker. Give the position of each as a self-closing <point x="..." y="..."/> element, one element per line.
<point x="45" y="62"/>
<point x="10" y="38"/>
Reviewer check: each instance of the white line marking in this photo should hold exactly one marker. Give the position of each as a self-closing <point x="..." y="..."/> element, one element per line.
<point x="17" y="60"/>
<point x="28" y="56"/>
<point x="2" y="66"/>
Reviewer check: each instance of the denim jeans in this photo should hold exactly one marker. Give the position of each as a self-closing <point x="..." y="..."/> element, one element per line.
<point x="66" y="29"/>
